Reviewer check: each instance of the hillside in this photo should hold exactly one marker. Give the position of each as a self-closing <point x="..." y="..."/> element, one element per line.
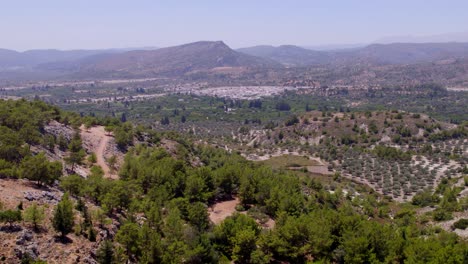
<point x="408" y="53"/>
<point x="395" y="53"/>
<point x="216" y="63"/>
<point x="289" y="55"/>
<point x="414" y="143"/>
<point x="175" y="61"/>
<point x="175" y="201"/>
<point x="11" y="60"/>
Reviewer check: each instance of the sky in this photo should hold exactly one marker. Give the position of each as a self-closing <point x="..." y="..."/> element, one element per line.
<point x="97" y="24"/>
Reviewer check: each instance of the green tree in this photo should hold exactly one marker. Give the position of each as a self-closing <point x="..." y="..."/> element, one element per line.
<point x="10" y="216"/>
<point x="105" y="253"/>
<point x="34" y="214"/>
<point x="92" y="158"/>
<point x="128" y="237"/>
<point x="77" y="153"/>
<point x="112" y="160"/>
<point x="30" y="133"/>
<point x="244" y="244"/>
<point x="123" y="135"/>
<point x="62" y="142"/>
<point x="225" y="233"/>
<point x="118" y="197"/>
<point x="92" y="234"/>
<point x="96" y="186"/>
<point x="198" y="216"/>
<point x="38" y="168"/>
<point x="63" y="219"/>
<point x="195" y="188"/>
<point x="74" y="184"/>
<point x="99" y="217"/>
<point x="151" y="245"/>
<point x="49" y="142"/>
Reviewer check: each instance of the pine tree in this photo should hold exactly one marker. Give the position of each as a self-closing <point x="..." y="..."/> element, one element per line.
<point x="76" y="151"/>
<point x="63" y="219"/>
<point x="127" y="236"/>
<point x="35" y="215"/>
<point x="10" y="216"/>
<point x="62" y="142"/>
<point x="105" y="253"/>
<point x="91" y="234"/>
<point x="37" y="168"/>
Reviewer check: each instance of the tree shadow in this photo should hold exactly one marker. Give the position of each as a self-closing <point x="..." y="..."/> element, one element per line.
<point x="39" y="229"/>
<point x="63" y="239"/>
<point x="10" y="228"/>
<point x="36" y="186"/>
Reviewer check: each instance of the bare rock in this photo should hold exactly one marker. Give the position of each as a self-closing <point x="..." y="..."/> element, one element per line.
<point x="29" y="251"/>
<point x="24" y="237"/>
<point x="55" y="128"/>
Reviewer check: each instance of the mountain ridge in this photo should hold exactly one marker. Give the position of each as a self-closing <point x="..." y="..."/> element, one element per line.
<point x="394" y="53"/>
<point x="176" y="60"/>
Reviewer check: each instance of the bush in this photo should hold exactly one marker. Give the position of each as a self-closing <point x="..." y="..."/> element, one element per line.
<point x="92" y="158"/>
<point x="460" y="224"/>
<point x="292" y="121"/>
<point x="10" y="216"/>
<point x="442" y="215"/>
<point x="424" y="198"/>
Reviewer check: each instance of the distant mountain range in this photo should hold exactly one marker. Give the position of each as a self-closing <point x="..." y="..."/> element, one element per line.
<point x="396" y="53"/>
<point x="438" y="38"/>
<point x="211" y="57"/>
<point x="10" y="59"/>
<point x="289" y="55"/>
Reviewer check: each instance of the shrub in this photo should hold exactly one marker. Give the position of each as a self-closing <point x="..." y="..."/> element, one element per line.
<point x="441" y="215"/>
<point x="460" y="224"/>
<point x="10" y="216"/>
<point x="292" y="121"/>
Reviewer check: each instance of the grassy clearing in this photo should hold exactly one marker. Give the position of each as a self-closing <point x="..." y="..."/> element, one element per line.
<point x="290" y="162"/>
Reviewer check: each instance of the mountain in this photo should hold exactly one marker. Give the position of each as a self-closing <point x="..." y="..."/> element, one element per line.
<point x="405" y="53"/>
<point x="439" y="38"/>
<point x="289" y="55"/>
<point x="10" y="59"/>
<point x="207" y="58"/>
<point x="335" y="46"/>
<point x="172" y="61"/>
<point x="395" y="53"/>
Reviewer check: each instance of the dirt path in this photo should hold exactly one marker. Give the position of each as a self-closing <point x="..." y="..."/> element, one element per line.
<point x="97" y="140"/>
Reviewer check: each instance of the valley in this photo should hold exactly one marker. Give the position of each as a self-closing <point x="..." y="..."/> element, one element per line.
<point x="200" y="153"/>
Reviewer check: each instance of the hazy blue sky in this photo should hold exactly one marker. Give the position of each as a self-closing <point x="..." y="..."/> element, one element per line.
<point x="67" y="24"/>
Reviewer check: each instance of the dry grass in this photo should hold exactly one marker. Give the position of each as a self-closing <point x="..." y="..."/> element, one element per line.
<point x="290" y="162"/>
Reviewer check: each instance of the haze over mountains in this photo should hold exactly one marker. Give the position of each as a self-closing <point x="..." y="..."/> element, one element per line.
<point x="437" y="38"/>
<point x="216" y="56"/>
<point x="10" y="59"/>
<point x="396" y="53"/>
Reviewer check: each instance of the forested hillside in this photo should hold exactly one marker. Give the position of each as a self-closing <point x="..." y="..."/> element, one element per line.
<point x="160" y="208"/>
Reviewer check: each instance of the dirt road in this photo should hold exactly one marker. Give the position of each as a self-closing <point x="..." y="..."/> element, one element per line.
<point x="97" y="141"/>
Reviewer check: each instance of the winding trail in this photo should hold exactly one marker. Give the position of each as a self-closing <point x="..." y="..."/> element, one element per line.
<point x="97" y="139"/>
